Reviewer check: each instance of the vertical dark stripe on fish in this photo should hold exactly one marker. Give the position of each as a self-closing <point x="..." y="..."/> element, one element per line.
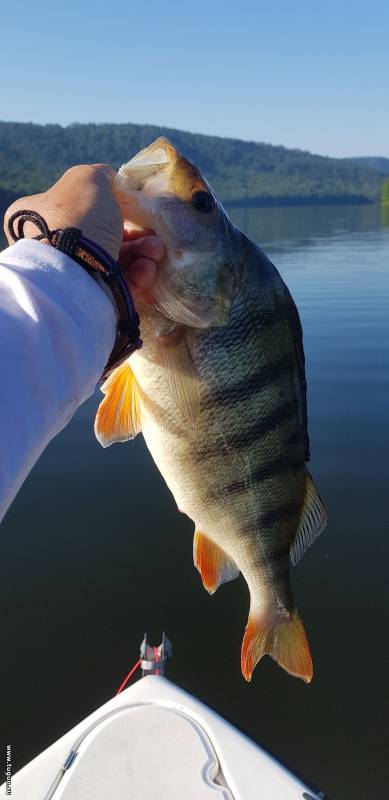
<point x="277" y="556"/>
<point x="283" y="463"/>
<point x="248" y="386"/>
<point x="248" y="435"/>
<point x="275" y="516"/>
<point x="246" y="326"/>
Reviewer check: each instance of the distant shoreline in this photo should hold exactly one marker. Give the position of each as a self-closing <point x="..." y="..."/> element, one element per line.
<point x="7" y="197"/>
<point x="279" y="202"/>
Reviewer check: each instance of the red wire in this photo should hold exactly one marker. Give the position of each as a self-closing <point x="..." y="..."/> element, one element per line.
<point x="135" y="667"/>
<point x="156" y="656"/>
<point x="127" y="678"/>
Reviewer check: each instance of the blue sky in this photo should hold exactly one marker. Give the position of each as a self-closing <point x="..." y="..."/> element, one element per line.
<point x="313" y="75"/>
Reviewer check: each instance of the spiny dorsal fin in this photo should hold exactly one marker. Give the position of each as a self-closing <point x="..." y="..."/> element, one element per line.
<point x="312" y="522"/>
<point x="213" y="563"/>
<point x="181" y="375"/>
<point x="118" y="416"/>
<point x="284" y="640"/>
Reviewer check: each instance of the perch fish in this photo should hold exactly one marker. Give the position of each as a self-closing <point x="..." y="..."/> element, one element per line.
<point x="219" y="393"/>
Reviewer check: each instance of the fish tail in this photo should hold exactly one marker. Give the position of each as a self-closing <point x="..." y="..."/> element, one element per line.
<point x="284" y="639"/>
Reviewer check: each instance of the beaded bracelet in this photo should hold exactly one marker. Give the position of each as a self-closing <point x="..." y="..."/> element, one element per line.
<point x="95" y="260"/>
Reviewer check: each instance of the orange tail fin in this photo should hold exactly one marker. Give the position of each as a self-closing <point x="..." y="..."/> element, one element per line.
<point x="284" y="640"/>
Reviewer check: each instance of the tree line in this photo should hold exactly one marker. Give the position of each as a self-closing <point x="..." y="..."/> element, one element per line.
<point x="33" y="156"/>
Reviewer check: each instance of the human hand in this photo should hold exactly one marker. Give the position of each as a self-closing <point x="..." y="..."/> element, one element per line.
<point x="138" y="258"/>
<point x="83" y="198"/>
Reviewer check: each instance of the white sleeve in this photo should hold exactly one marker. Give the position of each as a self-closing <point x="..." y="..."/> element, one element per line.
<point x="57" y="330"/>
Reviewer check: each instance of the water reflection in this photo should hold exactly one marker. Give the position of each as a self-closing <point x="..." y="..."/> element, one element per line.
<point x="95" y="551"/>
<point x="302" y="226"/>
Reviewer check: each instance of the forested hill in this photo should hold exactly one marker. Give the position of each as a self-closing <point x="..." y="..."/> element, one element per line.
<point x="379" y="163"/>
<point x="33" y="156"/>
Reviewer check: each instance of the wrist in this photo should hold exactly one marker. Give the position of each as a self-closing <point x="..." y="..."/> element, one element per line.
<point x="107" y="291"/>
<point x="97" y="262"/>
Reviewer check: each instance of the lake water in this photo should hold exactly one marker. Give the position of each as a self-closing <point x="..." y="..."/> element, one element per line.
<point x="94" y="553"/>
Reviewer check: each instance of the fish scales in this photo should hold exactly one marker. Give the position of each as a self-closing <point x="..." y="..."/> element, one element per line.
<point x="266" y="476"/>
<point x="221" y="387"/>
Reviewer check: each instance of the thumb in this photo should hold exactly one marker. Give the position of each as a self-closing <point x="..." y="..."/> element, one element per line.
<point x="105" y="170"/>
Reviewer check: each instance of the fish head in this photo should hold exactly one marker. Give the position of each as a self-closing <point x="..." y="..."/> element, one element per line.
<point x="160" y="190"/>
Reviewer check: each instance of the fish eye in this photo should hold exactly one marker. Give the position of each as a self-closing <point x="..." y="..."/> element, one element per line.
<point x="203" y="201"/>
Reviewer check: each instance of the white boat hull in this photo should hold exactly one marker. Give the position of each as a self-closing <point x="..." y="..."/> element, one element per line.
<point x="150" y="742"/>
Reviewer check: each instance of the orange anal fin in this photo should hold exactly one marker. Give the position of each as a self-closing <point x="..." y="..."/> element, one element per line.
<point x="118" y="417"/>
<point x="213" y="563"/>
<point x="285" y="641"/>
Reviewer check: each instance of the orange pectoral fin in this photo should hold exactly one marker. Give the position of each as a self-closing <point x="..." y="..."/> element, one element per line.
<point x="213" y="563"/>
<point x="285" y="641"/>
<point x="118" y="417"/>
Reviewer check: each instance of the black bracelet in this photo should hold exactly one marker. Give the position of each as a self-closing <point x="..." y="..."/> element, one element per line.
<point x="94" y="259"/>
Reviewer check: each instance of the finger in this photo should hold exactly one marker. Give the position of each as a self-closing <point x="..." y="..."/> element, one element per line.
<point x="105" y="169"/>
<point x="142" y="274"/>
<point x="87" y="173"/>
<point x="129" y="234"/>
<point x="150" y="247"/>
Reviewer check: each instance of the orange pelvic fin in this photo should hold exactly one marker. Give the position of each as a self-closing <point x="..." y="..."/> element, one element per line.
<point x="213" y="563"/>
<point x="118" y="417"/>
<point x="284" y="640"/>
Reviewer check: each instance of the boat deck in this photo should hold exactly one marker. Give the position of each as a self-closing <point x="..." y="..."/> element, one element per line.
<point x="154" y="741"/>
